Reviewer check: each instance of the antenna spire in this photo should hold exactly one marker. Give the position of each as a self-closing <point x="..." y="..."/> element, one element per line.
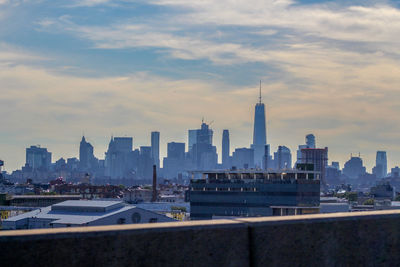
<point x="260" y="92"/>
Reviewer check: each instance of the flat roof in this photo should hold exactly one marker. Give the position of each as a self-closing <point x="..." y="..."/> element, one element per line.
<point x="44" y="196"/>
<point x="256" y="171"/>
<point x="87" y="203"/>
<point x="66" y="217"/>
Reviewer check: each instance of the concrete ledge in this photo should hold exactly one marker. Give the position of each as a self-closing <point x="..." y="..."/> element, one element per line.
<point x="340" y="239"/>
<point x="343" y="239"/>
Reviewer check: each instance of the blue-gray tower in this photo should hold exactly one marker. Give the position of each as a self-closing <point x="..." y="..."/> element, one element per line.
<point x="225" y="149"/>
<point x="260" y="133"/>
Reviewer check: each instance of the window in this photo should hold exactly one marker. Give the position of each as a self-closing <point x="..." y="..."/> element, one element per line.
<point x="121" y="221"/>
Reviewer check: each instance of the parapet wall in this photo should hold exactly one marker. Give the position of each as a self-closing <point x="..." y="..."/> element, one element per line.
<point x="343" y="239"/>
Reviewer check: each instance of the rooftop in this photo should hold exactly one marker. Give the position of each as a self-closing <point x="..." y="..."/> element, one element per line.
<point x="74" y="212"/>
<point x="87" y="203"/>
<point x="45" y="196"/>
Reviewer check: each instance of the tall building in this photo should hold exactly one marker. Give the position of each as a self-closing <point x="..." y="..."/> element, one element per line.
<point x="145" y="166"/>
<point x="380" y="169"/>
<point x="117" y="157"/>
<point x="268" y="162"/>
<point x="155" y="148"/>
<point x="259" y="133"/>
<point x="299" y="152"/>
<point x="192" y="138"/>
<point x="86" y="156"/>
<point x="173" y="164"/>
<point x="225" y="149"/>
<point x="202" y="153"/>
<point x="176" y="150"/>
<point x="310" y="141"/>
<point x="38" y="158"/>
<point x="204" y="134"/>
<point x="318" y="157"/>
<point x="395" y="172"/>
<point x="283" y="158"/>
<point x="243" y="158"/>
<point x="335" y="164"/>
<point x="354" y="168"/>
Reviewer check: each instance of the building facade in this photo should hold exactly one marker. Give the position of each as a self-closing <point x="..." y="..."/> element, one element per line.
<point x="318" y="157"/>
<point x="249" y="193"/>
<point x="38" y="158"/>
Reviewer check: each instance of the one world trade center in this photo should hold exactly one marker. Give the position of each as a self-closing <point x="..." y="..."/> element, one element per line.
<point x="259" y="134"/>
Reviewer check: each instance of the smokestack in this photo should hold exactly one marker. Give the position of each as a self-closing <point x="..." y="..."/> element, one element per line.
<point x="154" y="197"/>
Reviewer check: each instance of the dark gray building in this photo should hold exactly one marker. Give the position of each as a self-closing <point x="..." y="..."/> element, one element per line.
<point x="254" y="193"/>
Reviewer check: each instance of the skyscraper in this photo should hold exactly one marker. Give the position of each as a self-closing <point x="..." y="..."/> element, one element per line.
<point x="380" y="169"/>
<point x="117" y="157"/>
<point x="174" y="163"/>
<point x="86" y="156"/>
<point x="310" y="141"/>
<point x="201" y="151"/>
<point x="225" y="149"/>
<point x="38" y="158"/>
<point x="243" y="158"/>
<point x="259" y="133"/>
<point x="318" y="157"/>
<point x="155" y="148"/>
<point x="145" y="166"/>
<point x="192" y="138"/>
<point x="354" y="168"/>
<point x="283" y="158"/>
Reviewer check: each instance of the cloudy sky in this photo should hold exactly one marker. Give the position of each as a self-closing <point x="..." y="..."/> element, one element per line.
<point x="126" y="68"/>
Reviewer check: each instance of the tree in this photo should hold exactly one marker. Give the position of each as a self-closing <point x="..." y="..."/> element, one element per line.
<point x="351" y="196"/>
<point x="369" y="201"/>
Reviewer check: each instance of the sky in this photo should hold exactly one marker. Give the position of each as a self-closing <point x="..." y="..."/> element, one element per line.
<point x="126" y="68"/>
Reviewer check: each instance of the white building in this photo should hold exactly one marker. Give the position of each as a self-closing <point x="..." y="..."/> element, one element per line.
<point x="83" y="213"/>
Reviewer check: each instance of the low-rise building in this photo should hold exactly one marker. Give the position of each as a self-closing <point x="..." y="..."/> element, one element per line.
<point x="83" y="213"/>
<point x="249" y="193"/>
<point x="40" y="200"/>
<point x="87" y="191"/>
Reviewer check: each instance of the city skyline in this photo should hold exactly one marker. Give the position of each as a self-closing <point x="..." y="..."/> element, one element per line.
<point x="128" y="68"/>
<point x="276" y="155"/>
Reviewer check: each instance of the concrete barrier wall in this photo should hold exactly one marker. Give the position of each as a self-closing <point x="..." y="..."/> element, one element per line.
<point x="344" y="239"/>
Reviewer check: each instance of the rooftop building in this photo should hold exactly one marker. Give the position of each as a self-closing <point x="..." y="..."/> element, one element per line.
<point x="247" y="193"/>
<point x="83" y="213"/>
